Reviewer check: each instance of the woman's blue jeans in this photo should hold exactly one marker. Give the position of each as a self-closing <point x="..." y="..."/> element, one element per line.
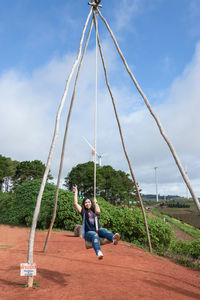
<point x="93" y="237"/>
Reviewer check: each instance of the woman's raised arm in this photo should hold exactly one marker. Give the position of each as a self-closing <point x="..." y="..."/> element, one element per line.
<point x="77" y="206"/>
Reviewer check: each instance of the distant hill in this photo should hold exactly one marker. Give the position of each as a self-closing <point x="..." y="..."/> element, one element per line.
<point x="152" y="197"/>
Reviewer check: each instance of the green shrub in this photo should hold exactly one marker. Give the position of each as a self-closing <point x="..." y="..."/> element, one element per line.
<point x="195" y="249"/>
<point x="130" y="224"/>
<point x="162" y="235"/>
<point x="7" y="209"/>
<point x="25" y="201"/>
<point x="186" y="248"/>
<point x="67" y="216"/>
<point x="19" y="209"/>
<point x="180" y="247"/>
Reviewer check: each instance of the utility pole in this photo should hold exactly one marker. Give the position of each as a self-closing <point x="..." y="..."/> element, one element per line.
<point x="156" y="179"/>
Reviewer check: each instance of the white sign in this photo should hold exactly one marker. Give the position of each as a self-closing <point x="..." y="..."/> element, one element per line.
<point x="27" y="269"/>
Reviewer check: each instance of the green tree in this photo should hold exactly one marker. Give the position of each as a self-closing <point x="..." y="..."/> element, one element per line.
<point x="7" y="170"/>
<point x="28" y="170"/>
<point x="114" y="186"/>
<point x="83" y="176"/>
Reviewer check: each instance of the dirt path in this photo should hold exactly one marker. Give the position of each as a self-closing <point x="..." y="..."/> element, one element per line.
<point x="68" y="271"/>
<point x="179" y="234"/>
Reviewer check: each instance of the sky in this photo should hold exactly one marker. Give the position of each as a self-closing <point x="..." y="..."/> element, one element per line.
<point x="160" y="41"/>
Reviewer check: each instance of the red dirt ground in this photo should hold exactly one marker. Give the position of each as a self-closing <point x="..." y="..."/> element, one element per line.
<point x="68" y="271"/>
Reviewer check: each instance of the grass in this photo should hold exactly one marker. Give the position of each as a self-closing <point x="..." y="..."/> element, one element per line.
<point x="35" y="285"/>
<point x="181" y="259"/>
<point x="5" y="246"/>
<point x="189" y="215"/>
<point x="194" y="232"/>
<point x="184" y="260"/>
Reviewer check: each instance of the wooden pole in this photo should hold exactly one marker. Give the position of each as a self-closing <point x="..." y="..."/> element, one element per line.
<point x="124" y="147"/>
<point x="39" y="198"/>
<point x="64" y="142"/>
<point x="177" y="161"/>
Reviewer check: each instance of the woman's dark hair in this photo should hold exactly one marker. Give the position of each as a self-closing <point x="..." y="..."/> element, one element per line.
<point x="84" y="209"/>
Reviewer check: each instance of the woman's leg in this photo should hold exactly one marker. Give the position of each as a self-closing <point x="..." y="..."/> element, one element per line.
<point x="93" y="237"/>
<point x="103" y="232"/>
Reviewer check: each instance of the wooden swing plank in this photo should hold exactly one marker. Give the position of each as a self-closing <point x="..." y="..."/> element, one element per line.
<point x="103" y="241"/>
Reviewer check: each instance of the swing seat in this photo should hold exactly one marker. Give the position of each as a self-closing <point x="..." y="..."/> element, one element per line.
<point x="103" y="241"/>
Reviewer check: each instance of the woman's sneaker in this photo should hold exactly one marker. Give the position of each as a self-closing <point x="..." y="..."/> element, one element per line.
<point x="116" y="238"/>
<point x="99" y="254"/>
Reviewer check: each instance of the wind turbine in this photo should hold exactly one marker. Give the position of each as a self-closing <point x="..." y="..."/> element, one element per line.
<point x="156" y="178"/>
<point x="93" y="151"/>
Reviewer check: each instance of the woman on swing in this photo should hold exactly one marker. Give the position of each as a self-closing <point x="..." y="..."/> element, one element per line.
<point x="88" y="211"/>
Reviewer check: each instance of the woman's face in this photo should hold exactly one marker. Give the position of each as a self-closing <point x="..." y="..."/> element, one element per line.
<point x="88" y="204"/>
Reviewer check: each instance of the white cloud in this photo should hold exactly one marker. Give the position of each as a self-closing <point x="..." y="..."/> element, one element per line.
<point x="180" y="119"/>
<point x="128" y="10"/>
<point x="29" y="104"/>
<point x="28" y="110"/>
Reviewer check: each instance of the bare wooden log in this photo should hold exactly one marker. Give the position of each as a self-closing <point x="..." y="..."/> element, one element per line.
<point x="77" y="230"/>
<point x="123" y="143"/>
<point x="177" y="161"/>
<point x="64" y="141"/>
<point x="30" y="281"/>
<point x="103" y="241"/>
<point x="39" y="198"/>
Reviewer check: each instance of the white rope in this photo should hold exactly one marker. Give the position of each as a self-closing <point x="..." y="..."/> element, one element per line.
<point x="95" y="113"/>
<point x="95" y="116"/>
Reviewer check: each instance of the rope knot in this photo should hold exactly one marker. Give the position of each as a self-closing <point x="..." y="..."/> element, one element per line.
<point x="95" y="3"/>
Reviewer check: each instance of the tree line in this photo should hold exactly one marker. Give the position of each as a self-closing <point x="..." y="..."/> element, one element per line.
<point x="114" y="186"/>
<point x="175" y="205"/>
<point x="14" y="173"/>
